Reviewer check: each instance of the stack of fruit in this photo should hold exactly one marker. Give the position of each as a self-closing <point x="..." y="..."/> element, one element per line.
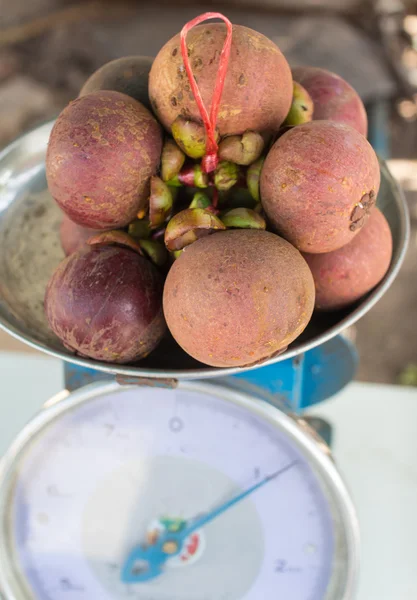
<point x="254" y="208"/>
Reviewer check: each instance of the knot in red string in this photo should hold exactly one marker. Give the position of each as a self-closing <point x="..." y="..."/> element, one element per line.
<point x="210" y="160"/>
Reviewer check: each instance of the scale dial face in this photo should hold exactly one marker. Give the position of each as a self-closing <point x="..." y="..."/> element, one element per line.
<point x="113" y="472"/>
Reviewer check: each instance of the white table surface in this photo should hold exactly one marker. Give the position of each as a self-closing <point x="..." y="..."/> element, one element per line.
<point x="375" y="446"/>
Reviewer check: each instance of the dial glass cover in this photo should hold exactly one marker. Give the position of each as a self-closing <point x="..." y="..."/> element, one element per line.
<point x="116" y="472"/>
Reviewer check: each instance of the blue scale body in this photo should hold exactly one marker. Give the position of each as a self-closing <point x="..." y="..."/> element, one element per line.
<point x="298" y="382"/>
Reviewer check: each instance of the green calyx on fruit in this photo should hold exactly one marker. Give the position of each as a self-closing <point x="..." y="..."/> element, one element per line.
<point x="160" y="202"/>
<point x="190" y="136"/>
<point x="172" y="160"/>
<point x="242" y="149"/>
<point x="252" y="178"/>
<point x="192" y="176"/>
<point x="155" y="251"/>
<point x="175" y="182"/>
<point x="201" y="179"/>
<point x="302" y="107"/>
<point x="115" y="238"/>
<point x="243" y="218"/>
<point x="226" y="175"/>
<point x="189" y="225"/>
<point x="139" y="229"/>
<point x="176" y="254"/>
<point x="200" y="200"/>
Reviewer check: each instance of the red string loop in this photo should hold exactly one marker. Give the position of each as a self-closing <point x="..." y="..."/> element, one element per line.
<point x="210" y="160"/>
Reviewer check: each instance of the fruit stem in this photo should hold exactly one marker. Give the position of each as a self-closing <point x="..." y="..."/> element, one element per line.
<point x="159" y="233"/>
<point x="215" y="200"/>
<point x="210" y="160"/>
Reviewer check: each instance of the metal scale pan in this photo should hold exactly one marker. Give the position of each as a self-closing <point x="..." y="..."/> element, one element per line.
<point x="30" y="250"/>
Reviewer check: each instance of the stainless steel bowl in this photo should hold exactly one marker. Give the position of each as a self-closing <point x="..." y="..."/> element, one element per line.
<point x="30" y="250"/>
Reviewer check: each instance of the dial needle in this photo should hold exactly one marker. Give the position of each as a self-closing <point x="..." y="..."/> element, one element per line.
<point x="146" y="562"/>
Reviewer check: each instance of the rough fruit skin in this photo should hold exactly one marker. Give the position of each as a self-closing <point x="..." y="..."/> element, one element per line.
<point x="73" y="236"/>
<point x="106" y="303"/>
<point x="257" y="93"/>
<point x="238" y="297"/>
<point x="102" y="151"/>
<point x="312" y="182"/>
<point x="334" y="99"/>
<point x="128" y="75"/>
<point x="345" y="275"/>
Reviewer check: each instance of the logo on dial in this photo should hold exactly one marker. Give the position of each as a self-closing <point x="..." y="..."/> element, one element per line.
<point x="192" y="548"/>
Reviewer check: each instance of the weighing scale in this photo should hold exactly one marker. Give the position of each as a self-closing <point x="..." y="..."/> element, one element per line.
<point x="146" y="482"/>
<point x="194" y="493"/>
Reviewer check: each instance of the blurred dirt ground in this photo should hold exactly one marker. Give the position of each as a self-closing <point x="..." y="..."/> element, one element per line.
<point x="49" y="47"/>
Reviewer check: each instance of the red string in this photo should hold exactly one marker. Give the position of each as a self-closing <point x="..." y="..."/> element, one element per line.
<point x="210" y="160"/>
